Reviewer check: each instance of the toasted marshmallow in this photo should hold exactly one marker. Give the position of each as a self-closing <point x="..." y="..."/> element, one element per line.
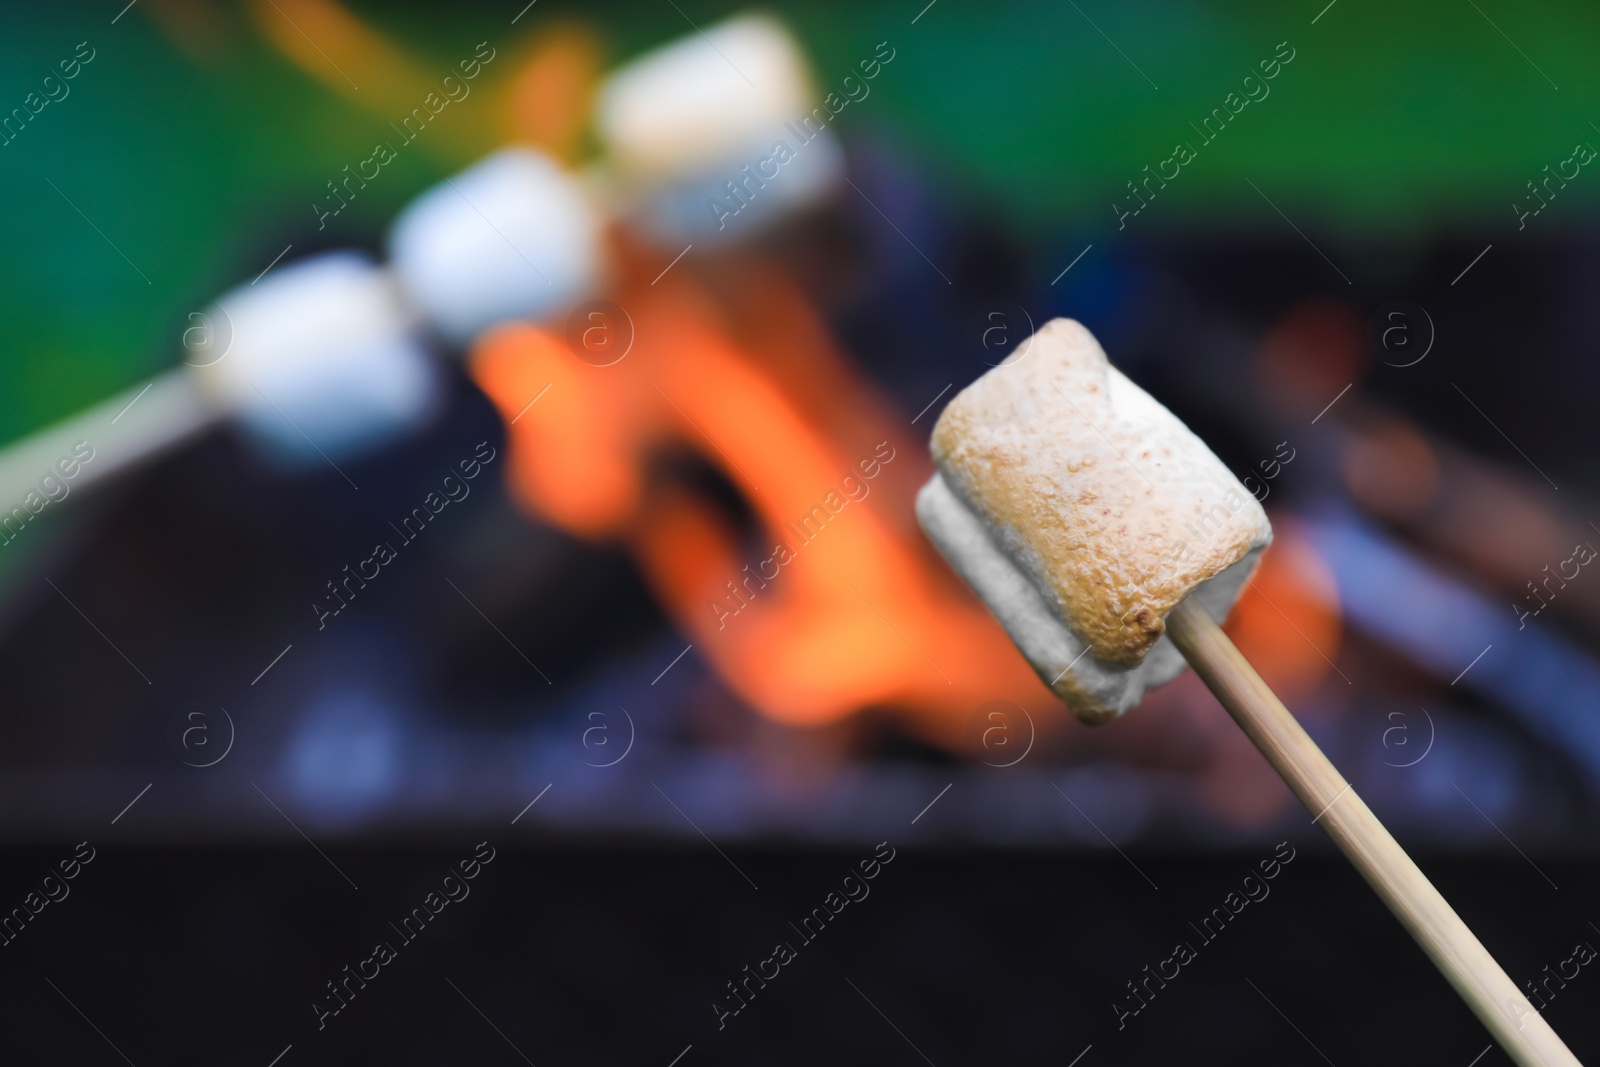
<point x="1082" y="511"/>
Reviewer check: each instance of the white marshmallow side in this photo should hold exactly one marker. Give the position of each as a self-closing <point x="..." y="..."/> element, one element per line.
<point x="318" y="360"/>
<point x="513" y="237"/>
<point x="1095" y="691"/>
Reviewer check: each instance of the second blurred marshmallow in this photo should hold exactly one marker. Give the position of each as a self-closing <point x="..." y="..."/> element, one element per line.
<point x="513" y="237"/>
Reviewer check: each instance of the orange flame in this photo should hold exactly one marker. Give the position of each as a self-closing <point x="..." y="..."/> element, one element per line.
<point x="817" y="619"/>
<point x="739" y="370"/>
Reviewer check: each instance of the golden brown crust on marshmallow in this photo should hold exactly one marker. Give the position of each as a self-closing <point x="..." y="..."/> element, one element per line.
<point x="1096" y="491"/>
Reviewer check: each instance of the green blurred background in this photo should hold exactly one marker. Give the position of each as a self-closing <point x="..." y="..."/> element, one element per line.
<point x="198" y="148"/>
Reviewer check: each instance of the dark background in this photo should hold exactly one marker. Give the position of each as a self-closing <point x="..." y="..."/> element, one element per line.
<point x="582" y="952"/>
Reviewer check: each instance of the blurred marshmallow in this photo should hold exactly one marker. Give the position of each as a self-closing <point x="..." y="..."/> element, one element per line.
<point x="677" y="106"/>
<point x="318" y="360"/>
<point x="512" y="237"/>
<point x="696" y="123"/>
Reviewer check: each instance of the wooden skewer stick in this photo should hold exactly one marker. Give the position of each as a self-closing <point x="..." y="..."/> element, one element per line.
<point x="125" y="432"/>
<point x="1454" y="949"/>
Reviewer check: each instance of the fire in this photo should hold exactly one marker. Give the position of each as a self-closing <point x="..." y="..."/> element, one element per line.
<point x="862" y="614"/>
<point x="733" y="365"/>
